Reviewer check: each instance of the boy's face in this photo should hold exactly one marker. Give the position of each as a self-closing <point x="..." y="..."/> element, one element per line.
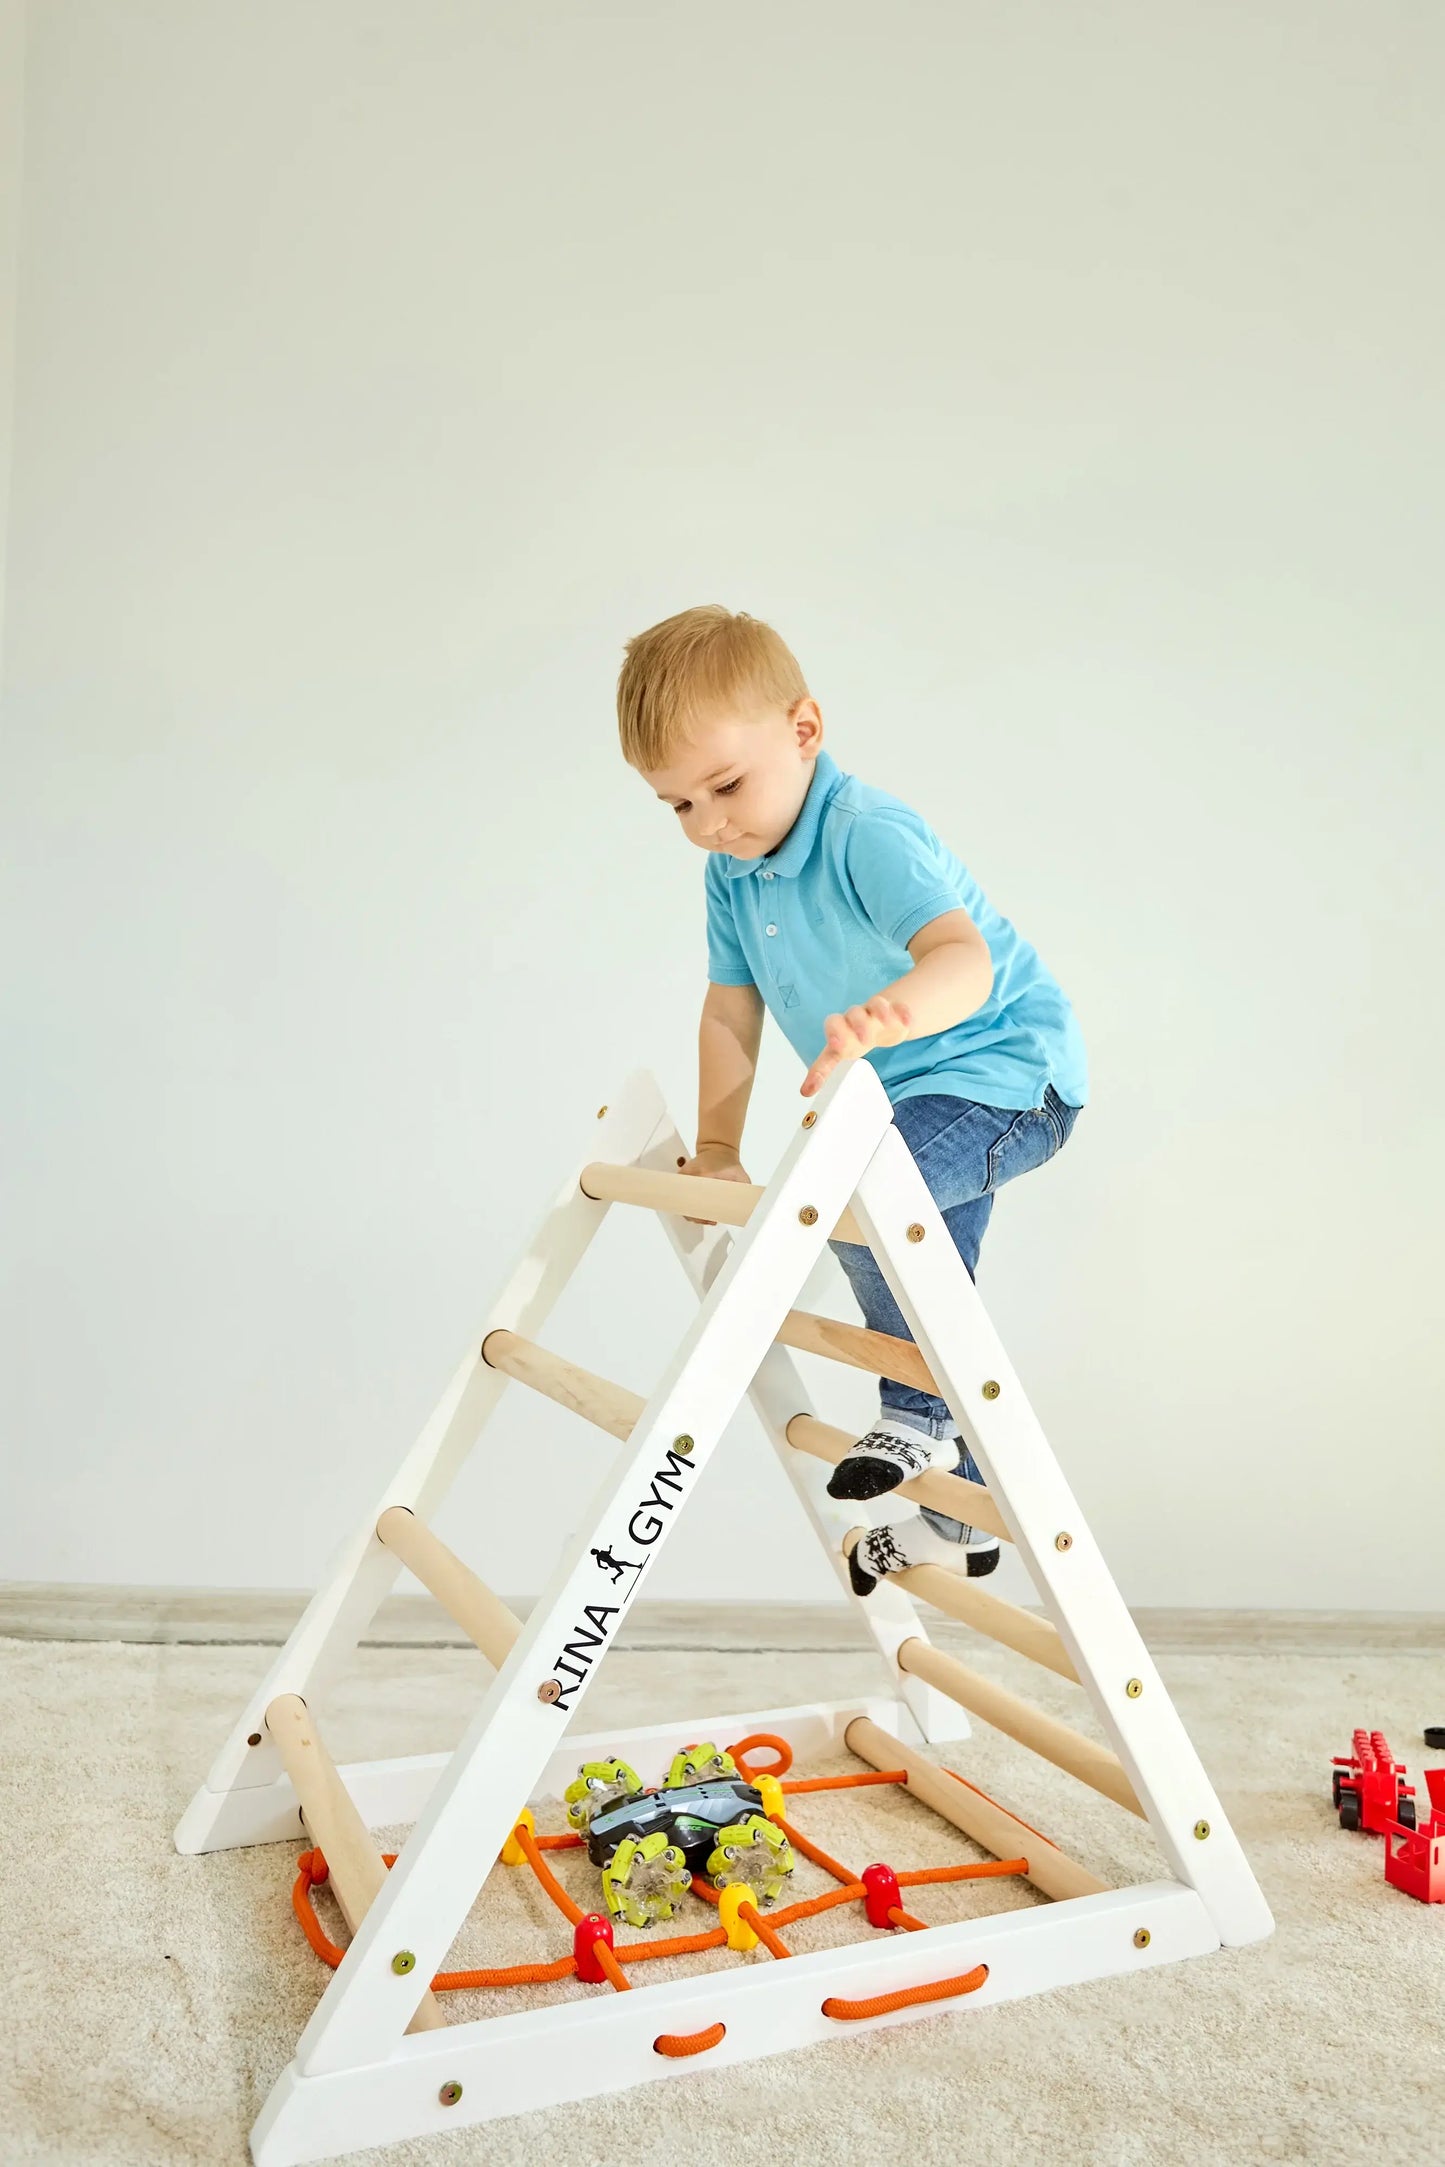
<point x="738" y="783"/>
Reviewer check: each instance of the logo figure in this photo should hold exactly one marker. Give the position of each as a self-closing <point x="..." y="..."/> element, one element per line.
<point x="607" y="1563"/>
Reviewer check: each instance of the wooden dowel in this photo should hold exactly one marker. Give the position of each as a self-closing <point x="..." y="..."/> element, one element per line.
<point x="688" y="1196"/>
<point x="1050" y="1870"/>
<point x="950" y="1494"/>
<point x="611" y="1406"/>
<point x="878" y="1351"/>
<point x="356" y="1871"/>
<point x="1067" y="1749"/>
<point x="456" y="1587"/>
<point x="990" y="1614"/>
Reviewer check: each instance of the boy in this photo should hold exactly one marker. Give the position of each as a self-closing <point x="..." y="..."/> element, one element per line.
<point x="838" y="908"/>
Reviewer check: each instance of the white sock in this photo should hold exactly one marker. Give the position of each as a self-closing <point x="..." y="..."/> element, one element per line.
<point x="892" y="1451"/>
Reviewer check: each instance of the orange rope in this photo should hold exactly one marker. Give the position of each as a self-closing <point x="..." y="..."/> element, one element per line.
<point x="846" y="1783"/>
<point x="545" y="1874"/>
<point x="987" y="1870"/>
<point x="610" y="1968"/>
<point x="764" y="1932"/>
<point x="811" y="1851"/>
<point x="906" y="1918"/>
<point x="678" y="2043"/>
<point x="754" y="1739"/>
<point x="882" y="2005"/>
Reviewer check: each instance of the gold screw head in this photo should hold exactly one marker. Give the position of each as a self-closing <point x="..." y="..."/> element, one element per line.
<point x="808" y="1216"/>
<point x="683" y="1444"/>
<point x="810" y="1118"/>
<point x="450" y="2094"/>
<point x="1063" y="1540"/>
<point x="916" y="1232"/>
<point x="1201" y="1830"/>
<point x="550" y="1689"/>
<point x="992" y="1389"/>
<point x="254" y="1739"/>
<point x="1134" y="1688"/>
<point x="600" y="1112"/>
<point x="403" y="1962"/>
<point x="1142" y="1938"/>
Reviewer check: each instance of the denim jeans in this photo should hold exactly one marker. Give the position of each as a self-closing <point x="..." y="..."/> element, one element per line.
<point x="965" y="1153"/>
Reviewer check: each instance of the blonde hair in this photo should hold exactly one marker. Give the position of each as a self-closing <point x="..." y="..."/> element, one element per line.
<point x="679" y="671"/>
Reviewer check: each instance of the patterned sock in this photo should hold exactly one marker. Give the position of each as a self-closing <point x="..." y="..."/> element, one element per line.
<point x="894" y="1548"/>
<point x="892" y="1451"/>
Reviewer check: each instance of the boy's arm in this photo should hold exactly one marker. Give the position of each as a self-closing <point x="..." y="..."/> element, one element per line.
<point x="727" y="1059"/>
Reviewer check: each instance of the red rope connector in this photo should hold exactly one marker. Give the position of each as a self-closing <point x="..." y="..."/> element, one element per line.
<point x="884" y="1895"/>
<point x="590" y="1929"/>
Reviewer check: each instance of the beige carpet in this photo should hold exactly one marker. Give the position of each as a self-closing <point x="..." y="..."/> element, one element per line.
<point x="151" y="2000"/>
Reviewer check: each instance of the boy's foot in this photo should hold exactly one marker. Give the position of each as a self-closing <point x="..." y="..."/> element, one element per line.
<point x="892" y="1452"/>
<point x="913" y="1542"/>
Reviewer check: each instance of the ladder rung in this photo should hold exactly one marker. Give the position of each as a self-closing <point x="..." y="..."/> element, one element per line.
<point x="354" y="1864"/>
<point x="1018" y="1719"/>
<point x="688" y="1196"/>
<point x="950" y="1494"/>
<point x="986" y="1613"/>
<point x="479" y="1613"/>
<point x="1050" y="1870"/>
<point x="851" y="1343"/>
<point x="611" y="1406"/>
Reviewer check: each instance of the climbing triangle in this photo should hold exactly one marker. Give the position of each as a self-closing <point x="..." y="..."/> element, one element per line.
<point x="378" y="2061"/>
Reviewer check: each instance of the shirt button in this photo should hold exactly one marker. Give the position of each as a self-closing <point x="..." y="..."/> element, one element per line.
<point x="770" y="929"/>
<point x="767" y="876"/>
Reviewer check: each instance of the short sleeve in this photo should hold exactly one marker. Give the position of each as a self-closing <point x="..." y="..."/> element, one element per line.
<point x="900" y="875"/>
<point x="726" y="963"/>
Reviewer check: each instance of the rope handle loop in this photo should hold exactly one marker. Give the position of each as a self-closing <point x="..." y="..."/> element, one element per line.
<point x="677" y="2044"/>
<point x="882" y="2005"/>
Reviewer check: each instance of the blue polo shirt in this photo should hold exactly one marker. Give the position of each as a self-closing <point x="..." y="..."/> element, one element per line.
<point x="824" y="921"/>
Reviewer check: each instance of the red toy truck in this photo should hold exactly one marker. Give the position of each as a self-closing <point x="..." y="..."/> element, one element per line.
<point x="1369" y="1786"/>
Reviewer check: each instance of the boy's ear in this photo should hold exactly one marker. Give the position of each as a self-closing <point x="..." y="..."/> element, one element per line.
<point x="807" y="719"/>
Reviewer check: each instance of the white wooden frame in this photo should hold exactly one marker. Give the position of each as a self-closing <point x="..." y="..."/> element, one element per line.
<point x="356" y="2080"/>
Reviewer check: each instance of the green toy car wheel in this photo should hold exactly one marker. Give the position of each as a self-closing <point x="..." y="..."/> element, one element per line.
<point x="752" y="1854"/>
<point x="645" y="1879"/>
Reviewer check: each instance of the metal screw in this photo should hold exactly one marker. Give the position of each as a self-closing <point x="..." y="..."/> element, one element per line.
<point x="808" y="1216"/>
<point x="1142" y="1938"/>
<point x="809" y="1119"/>
<point x="254" y="1739"/>
<point x="550" y="1689"/>
<point x="451" y="2093"/>
<point x="403" y="1962"/>
<point x="1201" y="1830"/>
<point x="992" y="1389"/>
<point x="1134" y="1688"/>
<point x="683" y="1444"/>
<point x="1063" y="1540"/>
<point x="916" y="1232"/>
<point x="600" y="1112"/>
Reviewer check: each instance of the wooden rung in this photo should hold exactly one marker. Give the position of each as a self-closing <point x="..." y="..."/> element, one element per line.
<point x="964" y="1599"/>
<point x="611" y="1406"/>
<point x="950" y="1494"/>
<point x="877" y="1351"/>
<point x="1050" y="1870"/>
<point x="688" y="1196"/>
<point x="1067" y="1749"/>
<point x="456" y="1587"/>
<point x="355" y="1866"/>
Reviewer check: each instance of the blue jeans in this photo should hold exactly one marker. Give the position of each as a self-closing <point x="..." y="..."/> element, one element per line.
<point x="965" y="1153"/>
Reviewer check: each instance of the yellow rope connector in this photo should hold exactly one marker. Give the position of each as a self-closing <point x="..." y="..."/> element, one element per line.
<point x="512" y="1852"/>
<point x="740" y="1934"/>
<point x="770" y="1791"/>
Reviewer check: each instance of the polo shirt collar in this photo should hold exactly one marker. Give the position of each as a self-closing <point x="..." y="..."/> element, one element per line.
<point x="792" y="854"/>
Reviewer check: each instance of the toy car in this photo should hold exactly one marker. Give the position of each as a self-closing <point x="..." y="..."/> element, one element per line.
<point x="1369" y="1787"/>
<point x="649" y="1844"/>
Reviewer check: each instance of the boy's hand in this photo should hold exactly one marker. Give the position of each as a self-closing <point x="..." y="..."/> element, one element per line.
<point x="717" y="1163"/>
<point x="877" y="1023"/>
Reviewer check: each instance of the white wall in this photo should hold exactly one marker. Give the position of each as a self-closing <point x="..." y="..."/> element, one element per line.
<point x="1063" y="382"/>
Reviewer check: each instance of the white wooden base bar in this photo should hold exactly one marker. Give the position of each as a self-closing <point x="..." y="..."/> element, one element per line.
<point x="512" y="2064"/>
